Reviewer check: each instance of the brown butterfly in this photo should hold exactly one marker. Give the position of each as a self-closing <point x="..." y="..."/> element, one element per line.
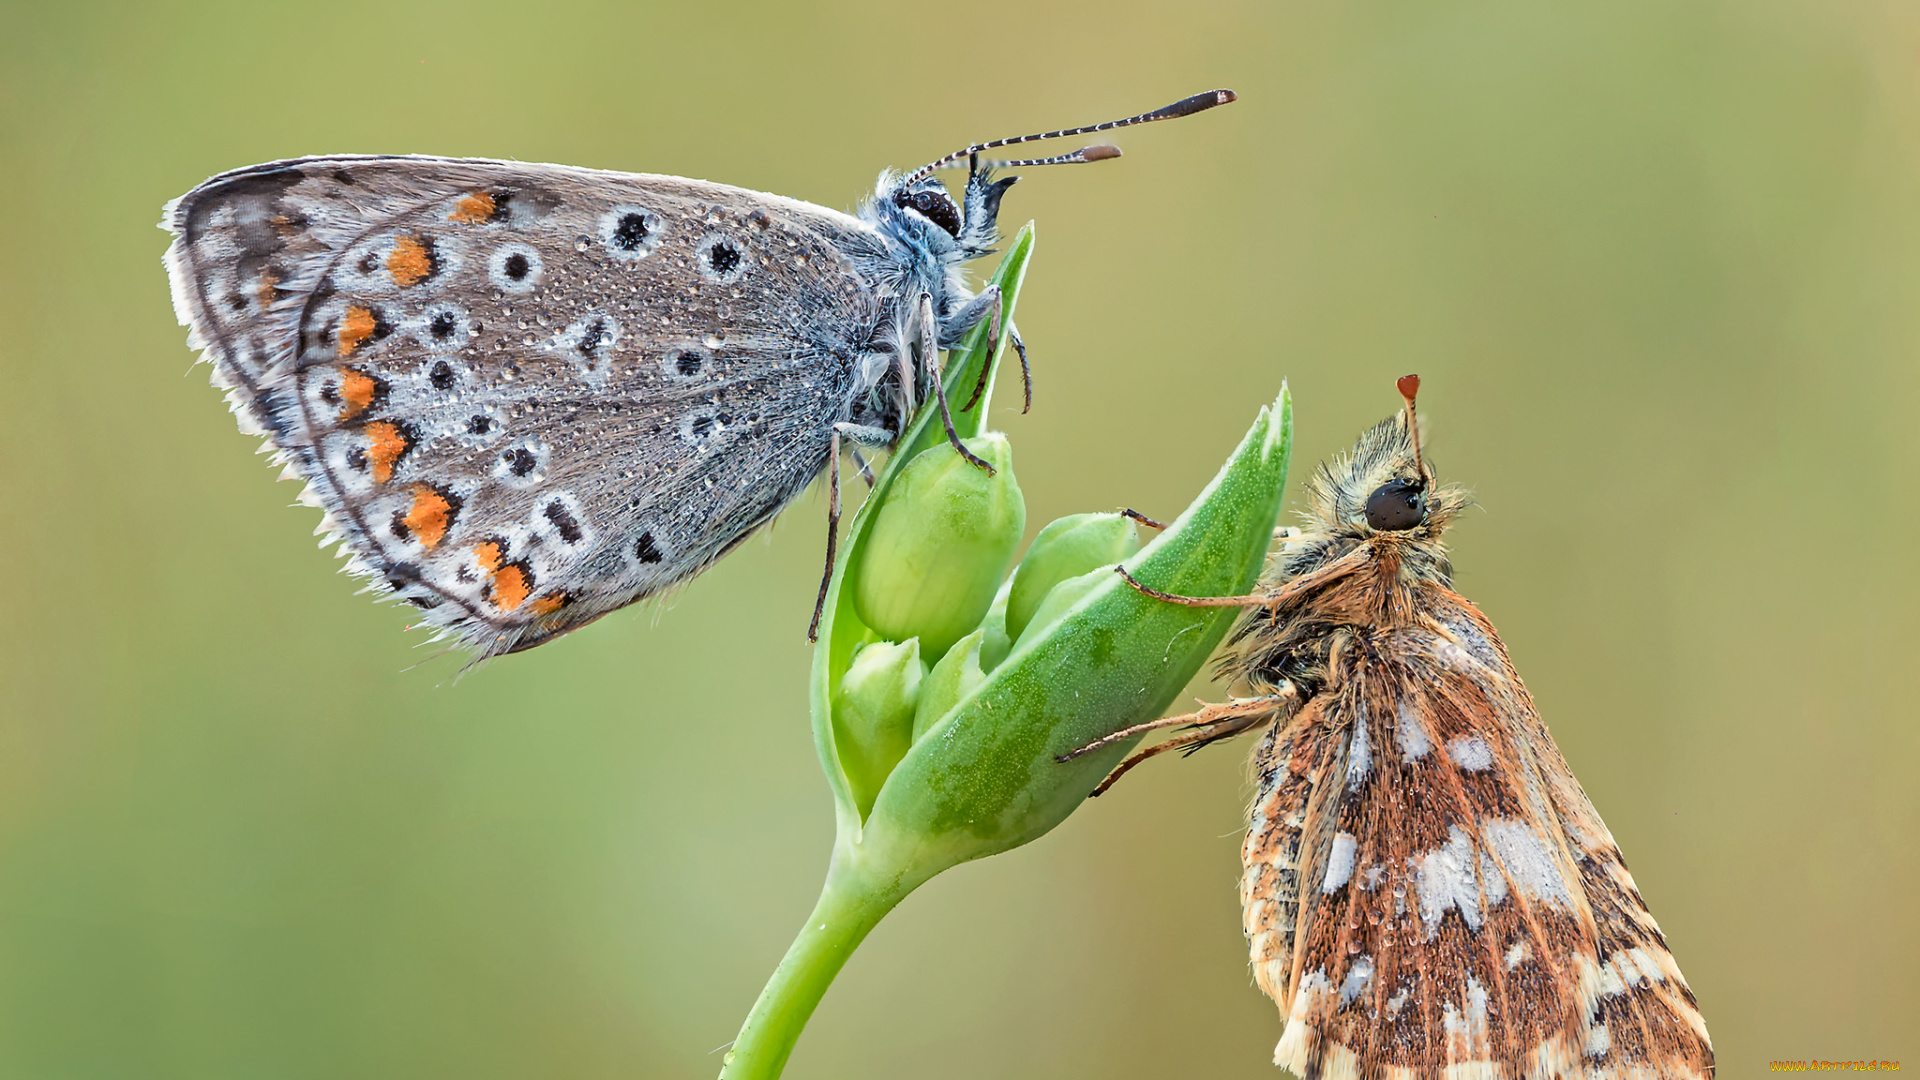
<point x="1427" y="890"/>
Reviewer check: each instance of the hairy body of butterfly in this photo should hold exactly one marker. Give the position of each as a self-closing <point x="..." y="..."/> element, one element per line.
<point x="527" y="395"/>
<point x="1427" y="890"/>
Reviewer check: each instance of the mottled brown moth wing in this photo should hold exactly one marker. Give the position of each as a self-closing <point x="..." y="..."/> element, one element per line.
<point x="525" y="395"/>
<point x="1428" y="892"/>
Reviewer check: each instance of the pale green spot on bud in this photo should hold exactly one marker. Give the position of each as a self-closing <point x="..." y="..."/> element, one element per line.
<point x="940" y="544"/>
<point x="998" y="643"/>
<point x="873" y="715"/>
<point x="953" y="678"/>
<point x="1066" y="548"/>
<point x="1061" y="598"/>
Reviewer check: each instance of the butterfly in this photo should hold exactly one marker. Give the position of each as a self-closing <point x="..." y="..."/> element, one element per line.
<point x="527" y="395"/>
<point x="1427" y="891"/>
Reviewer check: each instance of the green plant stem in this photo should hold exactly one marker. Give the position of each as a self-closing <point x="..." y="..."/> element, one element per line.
<point x="850" y="906"/>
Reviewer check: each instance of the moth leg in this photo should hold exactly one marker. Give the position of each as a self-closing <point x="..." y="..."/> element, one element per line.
<point x="1209" y="714"/>
<point x="1226" y="729"/>
<point x="833" y="536"/>
<point x="866" y="470"/>
<point x="969" y="316"/>
<point x="993" y="335"/>
<point x="1338" y="568"/>
<point x="1130" y="512"/>
<point x="930" y="356"/>
<point x="1026" y="373"/>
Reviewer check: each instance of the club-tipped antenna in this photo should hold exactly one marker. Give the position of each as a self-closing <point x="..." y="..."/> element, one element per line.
<point x="1184" y="107"/>
<point x="1100" y="152"/>
<point x="1409" y="386"/>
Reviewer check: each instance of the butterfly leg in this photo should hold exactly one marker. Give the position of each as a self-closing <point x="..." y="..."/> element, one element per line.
<point x="1192" y="740"/>
<point x="858" y="435"/>
<point x="930" y="357"/>
<point x="1209" y="715"/>
<point x="833" y="536"/>
<point x="1338" y="568"/>
<point x="866" y="470"/>
<point x="969" y="318"/>
<point x="1026" y="373"/>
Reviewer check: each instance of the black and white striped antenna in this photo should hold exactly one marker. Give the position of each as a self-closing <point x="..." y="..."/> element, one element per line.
<point x="1184" y="107"/>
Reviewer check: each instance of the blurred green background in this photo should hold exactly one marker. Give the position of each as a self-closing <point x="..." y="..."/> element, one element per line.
<point x="1657" y="260"/>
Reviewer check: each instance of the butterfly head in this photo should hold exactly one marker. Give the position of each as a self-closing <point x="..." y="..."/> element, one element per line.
<point x="1384" y="489"/>
<point x="923" y="214"/>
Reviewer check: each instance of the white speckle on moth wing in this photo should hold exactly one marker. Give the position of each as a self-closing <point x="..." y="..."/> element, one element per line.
<point x="1445" y="879"/>
<point x="1636" y="967"/>
<point x="1599" y="1041"/>
<point x="1471" y="753"/>
<point x="1411" y="733"/>
<point x="1313" y="984"/>
<point x="1466" y="1029"/>
<point x="1359" y="751"/>
<point x="1455" y="656"/>
<point x="1528" y="861"/>
<point x="1339" y="862"/>
<point x="1492" y="881"/>
<point x="1400" y="997"/>
<point x="1359" y="976"/>
<point x="1519" y="954"/>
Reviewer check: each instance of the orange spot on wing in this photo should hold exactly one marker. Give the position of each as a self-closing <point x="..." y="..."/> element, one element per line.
<point x="429" y="517"/>
<point x="357" y="391"/>
<point x="475" y="209"/>
<point x="356" y="326"/>
<point x="409" y="262"/>
<point x="388" y="444"/>
<point x="510" y="588"/>
<point x="547" y="605"/>
<point x="268" y="288"/>
<point x="488" y="555"/>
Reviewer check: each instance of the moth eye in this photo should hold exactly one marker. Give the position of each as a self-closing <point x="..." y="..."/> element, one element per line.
<point x="933" y="204"/>
<point x="1396" y="505"/>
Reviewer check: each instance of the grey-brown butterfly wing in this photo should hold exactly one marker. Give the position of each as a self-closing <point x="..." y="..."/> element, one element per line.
<point x="526" y="395"/>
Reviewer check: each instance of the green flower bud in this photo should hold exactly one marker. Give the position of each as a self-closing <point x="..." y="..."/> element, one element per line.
<point x="1066" y="549"/>
<point x="941" y="542"/>
<point x="998" y="643"/>
<point x="873" y="715"/>
<point x="1061" y="598"/>
<point x="953" y="678"/>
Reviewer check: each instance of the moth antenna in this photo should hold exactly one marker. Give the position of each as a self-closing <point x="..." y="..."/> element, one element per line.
<point x="1409" y="386"/>
<point x="1184" y="107"/>
<point x="1100" y="152"/>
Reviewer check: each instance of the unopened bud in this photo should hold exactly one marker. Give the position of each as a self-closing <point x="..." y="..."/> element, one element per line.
<point x="1063" y="596"/>
<point x="1066" y="548"/>
<point x="940" y="544"/>
<point x="873" y="713"/>
<point x="997" y="643"/>
<point x="953" y="678"/>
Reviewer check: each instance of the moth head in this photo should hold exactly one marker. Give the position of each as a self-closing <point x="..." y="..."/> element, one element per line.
<point x="1385" y="487"/>
<point x="928" y="201"/>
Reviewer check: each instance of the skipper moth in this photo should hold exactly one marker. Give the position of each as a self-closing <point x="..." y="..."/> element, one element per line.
<point x="1427" y="891"/>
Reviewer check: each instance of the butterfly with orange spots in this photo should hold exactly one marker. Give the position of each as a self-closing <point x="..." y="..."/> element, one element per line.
<point x="528" y="395"/>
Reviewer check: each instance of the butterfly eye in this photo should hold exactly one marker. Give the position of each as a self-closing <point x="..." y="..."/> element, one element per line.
<point x="1396" y="505"/>
<point x="933" y="204"/>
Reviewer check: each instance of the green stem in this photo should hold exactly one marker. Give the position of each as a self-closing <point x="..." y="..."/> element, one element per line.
<point x="850" y="906"/>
